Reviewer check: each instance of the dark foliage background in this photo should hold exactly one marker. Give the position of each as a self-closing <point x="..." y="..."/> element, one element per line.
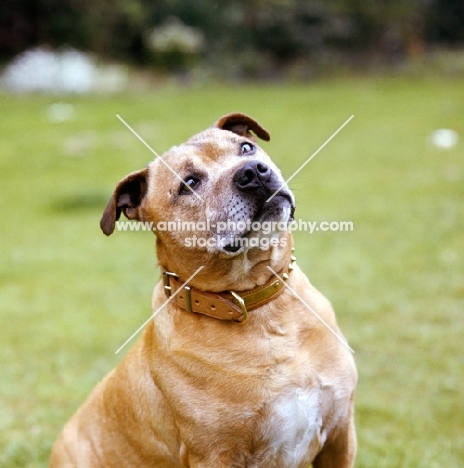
<point x="251" y="36"/>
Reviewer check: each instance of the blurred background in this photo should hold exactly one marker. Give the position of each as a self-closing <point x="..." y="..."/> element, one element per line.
<point x="69" y="296"/>
<point x="236" y="39"/>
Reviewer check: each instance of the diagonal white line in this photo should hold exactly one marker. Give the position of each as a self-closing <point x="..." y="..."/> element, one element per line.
<point x="158" y="156"/>
<point x="306" y="162"/>
<point x="156" y="312"/>
<point x="342" y="340"/>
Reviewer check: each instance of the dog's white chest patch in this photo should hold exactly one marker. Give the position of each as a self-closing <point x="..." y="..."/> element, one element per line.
<point x="294" y="428"/>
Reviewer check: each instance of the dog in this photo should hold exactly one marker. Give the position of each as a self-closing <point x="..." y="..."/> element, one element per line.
<point x="235" y="369"/>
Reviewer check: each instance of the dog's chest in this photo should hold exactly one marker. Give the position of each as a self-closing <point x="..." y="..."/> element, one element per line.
<point x="291" y="433"/>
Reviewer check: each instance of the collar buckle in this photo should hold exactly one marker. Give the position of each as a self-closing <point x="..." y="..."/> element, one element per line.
<point x="241" y="304"/>
<point x="166" y="283"/>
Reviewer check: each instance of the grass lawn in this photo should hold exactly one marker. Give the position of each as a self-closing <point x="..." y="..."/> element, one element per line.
<point x="69" y="296"/>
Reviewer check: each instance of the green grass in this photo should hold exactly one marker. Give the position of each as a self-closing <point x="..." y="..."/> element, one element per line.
<point x="69" y="297"/>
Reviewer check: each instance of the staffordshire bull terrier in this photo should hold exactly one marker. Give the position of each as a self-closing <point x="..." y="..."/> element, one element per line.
<point x="235" y="369"/>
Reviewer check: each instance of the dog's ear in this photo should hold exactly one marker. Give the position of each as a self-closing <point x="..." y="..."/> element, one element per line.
<point x="126" y="198"/>
<point x="242" y="124"/>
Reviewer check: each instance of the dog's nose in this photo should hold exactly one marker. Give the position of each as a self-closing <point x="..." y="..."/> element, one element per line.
<point x="252" y="175"/>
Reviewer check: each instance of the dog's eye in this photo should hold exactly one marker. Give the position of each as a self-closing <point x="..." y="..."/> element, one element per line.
<point x="247" y="149"/>
<point x="191" y="182"/>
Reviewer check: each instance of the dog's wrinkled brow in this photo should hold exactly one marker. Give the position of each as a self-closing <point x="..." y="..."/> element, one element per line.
<point x="212" y="150"/>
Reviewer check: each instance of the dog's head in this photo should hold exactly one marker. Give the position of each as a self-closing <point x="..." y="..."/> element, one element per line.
<point x="215" y="201"/>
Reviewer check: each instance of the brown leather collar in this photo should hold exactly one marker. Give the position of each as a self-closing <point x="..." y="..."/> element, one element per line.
<point x="226" y="305"/>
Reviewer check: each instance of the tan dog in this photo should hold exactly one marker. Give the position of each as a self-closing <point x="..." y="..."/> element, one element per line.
<point x="200" y="389"/>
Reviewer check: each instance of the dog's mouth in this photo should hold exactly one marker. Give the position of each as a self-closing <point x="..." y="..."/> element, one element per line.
<point x="274" y="210"/>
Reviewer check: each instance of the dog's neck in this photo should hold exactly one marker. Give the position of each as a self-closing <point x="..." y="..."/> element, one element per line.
<point x="251" y="268"/>
<point x="227" y="305"/>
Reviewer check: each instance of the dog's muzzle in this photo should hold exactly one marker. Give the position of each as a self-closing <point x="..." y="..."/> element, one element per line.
<point x="264" y="195"/>
<point x="258" y="180"/>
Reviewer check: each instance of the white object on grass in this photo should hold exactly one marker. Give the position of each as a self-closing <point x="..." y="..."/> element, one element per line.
<point x="444" y="138"/>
